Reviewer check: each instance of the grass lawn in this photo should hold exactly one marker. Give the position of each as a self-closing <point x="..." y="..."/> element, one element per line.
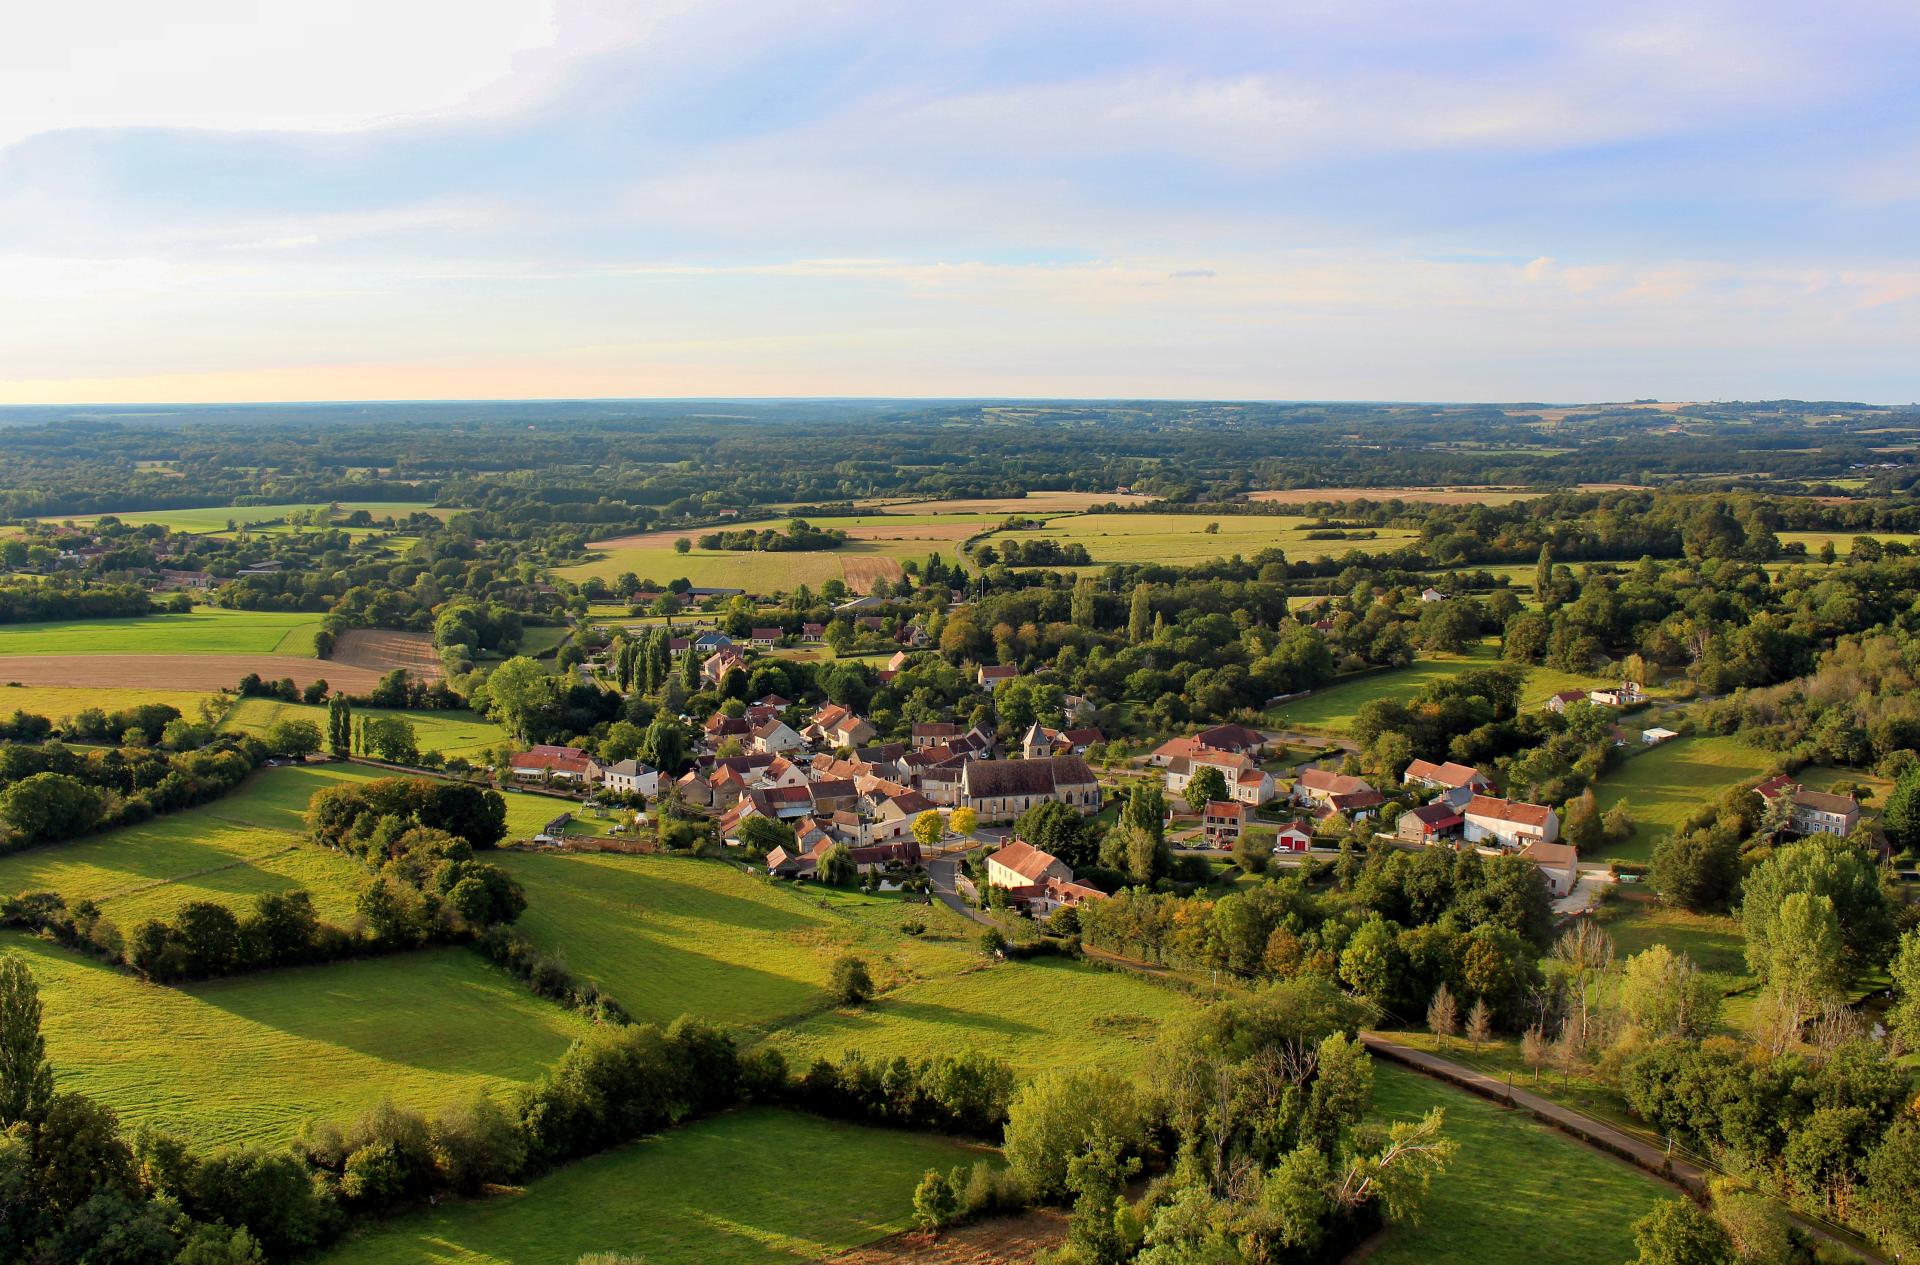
<point x="878" y="544"/>
<point x="667" y="935"/>
<point x="1517" y="1192"/>
<point x="216" y="518"/>
<point x="58" y="702"/>
<point x="746" y="1188"/>
<point x="1663" y="786"/>
<point x="249" y="1059"/>
<point x="206" y="630"/>
<point x="1035" y="1014"/>
<point x="450" y="733"/>
<point x="1183" y="539"/>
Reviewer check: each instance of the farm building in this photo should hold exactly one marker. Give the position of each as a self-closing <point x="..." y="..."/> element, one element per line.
<point x="1559" y="865"/>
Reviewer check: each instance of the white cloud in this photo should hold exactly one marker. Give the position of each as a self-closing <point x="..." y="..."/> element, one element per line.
<point x="239" y="65"/>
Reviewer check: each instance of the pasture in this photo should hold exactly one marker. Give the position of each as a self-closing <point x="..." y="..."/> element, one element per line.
<point x="1035" y="1014"/>
<point x="58" y="702"/>
<point x="1517" y="1192"/>
<point x="204" y="630"/>
<point x="246" y="843"/>
<point x="252" y="1058"/>
<point x="222" y="518"/>
<point x="1663" y="786"/>
<point x="877" y="545"/>
<point x="450" y="733"/>
<point x="754" y="1187"/>
<point x="1183" y="539"/>
<point x="666" y="935"/>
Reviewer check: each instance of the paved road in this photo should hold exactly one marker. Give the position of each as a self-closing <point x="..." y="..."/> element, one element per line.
<point x="943" y="872"/>
<point x="1595" y="1133"/>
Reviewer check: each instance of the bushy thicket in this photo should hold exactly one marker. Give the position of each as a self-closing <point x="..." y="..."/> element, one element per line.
<point x="50" y="792"/>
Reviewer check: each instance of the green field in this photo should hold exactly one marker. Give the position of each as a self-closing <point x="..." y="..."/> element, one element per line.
<point x="671" y="934"/>
<point x="1183" y="539"/>
<point x="666" y="935"/>
<point x="215" y="518"/>
<point x="1842" y="540"/>
<point x="1663" y="786"/>
<point x="228" y="851"/>
<point x="1034" y="1014"/>
<point x="245" y="843"/>
<point x="881" y="542"/>
<point x="756" y="1187"/>
<point x="206" y="630"/>
<point x="450" y="733"/>
<point x="249" y="1059"/>
<point x="1637" y="920"/>
<point x="1517" y="1193"/>
<point x="1333" y="708"/>
<point x="58" y="702"/>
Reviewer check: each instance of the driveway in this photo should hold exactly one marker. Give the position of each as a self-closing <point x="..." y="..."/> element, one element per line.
<point x="943" y="873"/>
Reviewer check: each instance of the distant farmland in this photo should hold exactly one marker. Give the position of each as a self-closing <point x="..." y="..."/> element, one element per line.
<point x="879" y="544"/>
<point x="1183" y="539"/>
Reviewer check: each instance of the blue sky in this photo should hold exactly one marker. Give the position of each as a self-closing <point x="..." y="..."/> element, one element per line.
<point x="208" y="200"/>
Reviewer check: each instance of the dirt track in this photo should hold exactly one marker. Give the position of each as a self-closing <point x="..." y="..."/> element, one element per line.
<point x="179" y="671"/>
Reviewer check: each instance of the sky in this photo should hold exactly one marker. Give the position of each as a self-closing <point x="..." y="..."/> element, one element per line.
<point x="206" y="200"/>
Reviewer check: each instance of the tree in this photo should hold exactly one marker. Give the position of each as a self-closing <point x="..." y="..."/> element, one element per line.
<point x="1139" y="613"/>
<point x="1207" y="785"/>
<point x="934" y="1202"/>
<point x="1903" y="1018"/>
<point x="340" y="726"/>
<point x="963" y="821"/>
<point x="518" y="692"/>
<point x="1582" y="829"/>
<point x="26" y="1078"/>
<point x="1665" y="995"/>
<point x="49" y="806"/>
<point x="293" y="737"/>
<point x="682" y="545"/>
<point x="1805" y="967"/>
<point x="850" y="984"/>
<point x="1443" y="1014"/>
<point x="391" y="738"/>
<point x="1535" y="1050"/>
<point x="928" y="829"/>
<point x="1582" y="956"/>
<point x="1677" y="1232"/>
<point x="1845" y="875"/>
<point x="665" y="745"/>
<point x="1054" y="1116"/>
<point x="1480" y="1023"/>
<point x="760" y="835"/>
<point x="1252" y="852"/>
<point x="1543" y="576"/>
<point x="1697" y="869"/>
<point x="1900" y="817"/>
<point x="835" y="866"/>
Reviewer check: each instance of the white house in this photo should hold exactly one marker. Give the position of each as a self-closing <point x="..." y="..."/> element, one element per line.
<point x="1625" y="694"/>
<point x="630" y="777"/>
<point x="1655" y="736"/>
<point x="1559" y="865"/>
<point x="1509" y="823"/>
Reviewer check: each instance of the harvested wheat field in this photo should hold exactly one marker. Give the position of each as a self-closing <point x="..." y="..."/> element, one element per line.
<point x="380" y="650"/>
<point x="179" y="671"/>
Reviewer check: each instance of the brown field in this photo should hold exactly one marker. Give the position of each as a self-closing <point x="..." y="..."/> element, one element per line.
<point x="179" y="671"/>
<point x="380" y="650"/>
<point x="862" y="570"/>
<point x="913" y="531"/>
